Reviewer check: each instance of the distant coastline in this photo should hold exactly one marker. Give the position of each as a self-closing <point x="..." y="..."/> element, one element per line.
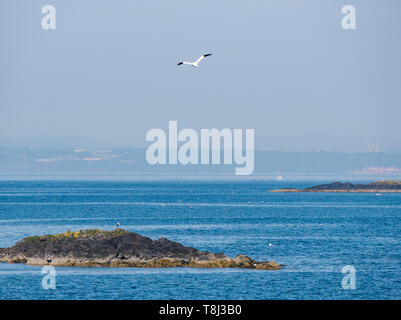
<point x="372" y="187"/>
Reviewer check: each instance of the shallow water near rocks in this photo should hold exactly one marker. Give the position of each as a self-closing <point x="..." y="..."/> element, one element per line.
<point x="313" y="234"/>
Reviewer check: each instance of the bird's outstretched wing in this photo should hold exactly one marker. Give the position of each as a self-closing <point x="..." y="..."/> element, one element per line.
<point x="183" y="62"/>
<point x="202" y="57"/>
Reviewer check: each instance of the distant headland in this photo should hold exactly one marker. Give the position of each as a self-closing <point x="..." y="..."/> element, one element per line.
<point x="119" y="248"/>
<point x="377" y="186"/>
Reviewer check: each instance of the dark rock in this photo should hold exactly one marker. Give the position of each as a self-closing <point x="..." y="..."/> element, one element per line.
<point x="378" y="186"/>
<point x="118" y="248"/>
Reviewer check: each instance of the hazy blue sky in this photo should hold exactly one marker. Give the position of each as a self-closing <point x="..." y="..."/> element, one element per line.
<point x="109" y="72"/>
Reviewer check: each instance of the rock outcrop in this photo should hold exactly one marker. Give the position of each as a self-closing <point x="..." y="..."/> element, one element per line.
<point x="119" y="248"/>
<point x="378" y="186"/>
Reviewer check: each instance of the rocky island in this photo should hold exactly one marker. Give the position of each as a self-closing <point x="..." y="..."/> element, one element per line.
<point x="377" y="186"/>
<point x="119" y="248"/>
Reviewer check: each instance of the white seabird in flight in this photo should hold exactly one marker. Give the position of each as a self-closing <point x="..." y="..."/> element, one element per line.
<point x="195" y="64"/>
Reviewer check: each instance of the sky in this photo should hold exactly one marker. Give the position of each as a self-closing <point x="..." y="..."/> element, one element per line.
<point x="108" y="73"/>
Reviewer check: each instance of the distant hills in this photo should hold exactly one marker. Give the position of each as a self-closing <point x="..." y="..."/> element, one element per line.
<point x="125" y="161"/>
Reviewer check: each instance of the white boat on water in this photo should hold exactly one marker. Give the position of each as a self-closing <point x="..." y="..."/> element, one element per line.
<point x="279" y="177"/>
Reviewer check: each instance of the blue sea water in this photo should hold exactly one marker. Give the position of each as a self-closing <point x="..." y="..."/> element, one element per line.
<point x="314" y="234"/>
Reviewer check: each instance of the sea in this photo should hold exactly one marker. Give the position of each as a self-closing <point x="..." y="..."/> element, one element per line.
<point x="332" y="245"/>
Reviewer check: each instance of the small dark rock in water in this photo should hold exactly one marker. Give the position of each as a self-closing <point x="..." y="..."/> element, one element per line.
<point x="377" y="186"/>
<point x="119" y="248"/>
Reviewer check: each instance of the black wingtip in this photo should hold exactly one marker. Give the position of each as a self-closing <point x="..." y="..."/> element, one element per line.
<point x="180" y="63"/>
<point x="206" y="55"/>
